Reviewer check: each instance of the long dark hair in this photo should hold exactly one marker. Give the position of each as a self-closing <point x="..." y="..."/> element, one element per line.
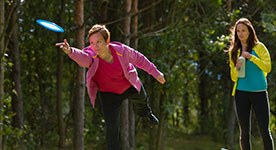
<point x="236" y="43"/>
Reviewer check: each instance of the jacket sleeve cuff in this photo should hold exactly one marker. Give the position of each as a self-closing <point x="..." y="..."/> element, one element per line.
<point x="253" y="58"/>
<point x="155" y="73"/>
<point x="72" y="51"/>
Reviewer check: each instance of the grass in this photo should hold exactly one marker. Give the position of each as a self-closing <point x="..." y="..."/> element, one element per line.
<point x="181" y="141"/>
<point x="192" y="142"/>
<point x="177" y="140"/>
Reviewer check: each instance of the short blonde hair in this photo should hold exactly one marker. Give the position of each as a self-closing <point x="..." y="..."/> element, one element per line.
<point x="99" y="28"/>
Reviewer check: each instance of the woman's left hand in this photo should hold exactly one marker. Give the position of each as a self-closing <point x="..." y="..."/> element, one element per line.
<point x="246" y="55"/>
<point x="161" y="79"/>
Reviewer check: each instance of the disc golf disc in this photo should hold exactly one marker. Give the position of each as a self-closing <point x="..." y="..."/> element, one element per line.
<point x="50" y="25"/>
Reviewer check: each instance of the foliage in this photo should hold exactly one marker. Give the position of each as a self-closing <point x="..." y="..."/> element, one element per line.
<point x="10" y="133"/>
<point x="184" y="39"/>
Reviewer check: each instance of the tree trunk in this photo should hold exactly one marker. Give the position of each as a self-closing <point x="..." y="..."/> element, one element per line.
<point x="231" y="124"/>
<point x="43" y="106"/>
<point x="162" y="128"/>
<point x="231" y="121"/>
<point x="17" y="102"/>
<point x="229" y="5"/>
<point x="125" y="105"/>
<point x="155" y="102"/>
<point x="2" y="24"/>
<point x="146" y="18"/>
<point x="133" y="44"/>
<point x="79" y="100"/>
<point x="203" y="116"/>
<point x="155" y="105"/>
<point x="131" y="127"/>
<point x="124" y="126"/>
<point x="61" y="127"/>
<point x="104" y="11"/>
<point x="186" y="109"/>
<point x="134" y="25"/>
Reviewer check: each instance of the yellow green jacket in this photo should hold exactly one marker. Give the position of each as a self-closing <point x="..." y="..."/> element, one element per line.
<point x="263" y="62"/>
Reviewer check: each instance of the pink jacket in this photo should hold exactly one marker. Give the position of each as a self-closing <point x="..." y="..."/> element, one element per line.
<point x="127" y="57"/>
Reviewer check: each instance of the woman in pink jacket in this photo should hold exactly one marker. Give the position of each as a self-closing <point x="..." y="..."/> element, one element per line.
<point x="111" y="71"/>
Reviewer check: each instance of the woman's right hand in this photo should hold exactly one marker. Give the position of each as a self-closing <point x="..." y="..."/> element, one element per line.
<point x="238" y="64"/>
<point x="161" y="79"/>
<point x="65" y="46"/>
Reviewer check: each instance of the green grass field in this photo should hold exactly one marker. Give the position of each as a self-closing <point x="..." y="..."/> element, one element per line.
<point x="192" y="143"/>
<point x="181" y="141"/>
<point x="177" y="140"/>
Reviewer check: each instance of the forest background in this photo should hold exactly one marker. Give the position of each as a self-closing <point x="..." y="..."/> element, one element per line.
<point x="43" y="100"/>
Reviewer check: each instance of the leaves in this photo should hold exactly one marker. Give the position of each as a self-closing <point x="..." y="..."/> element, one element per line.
<point x="184" y="39"/>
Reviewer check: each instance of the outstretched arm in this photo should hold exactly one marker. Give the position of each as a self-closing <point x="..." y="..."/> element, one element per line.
<point x="82" y="57"/>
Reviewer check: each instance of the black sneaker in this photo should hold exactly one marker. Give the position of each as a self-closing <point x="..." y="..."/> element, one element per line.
<point x="154" y="120"/>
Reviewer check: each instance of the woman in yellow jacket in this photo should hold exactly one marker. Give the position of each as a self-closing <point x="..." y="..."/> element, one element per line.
<point x="250" y="89"/>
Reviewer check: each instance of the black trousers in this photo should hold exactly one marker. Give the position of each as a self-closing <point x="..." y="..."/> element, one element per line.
<point x="111" y="106"/>
<point x="259" y="102"/>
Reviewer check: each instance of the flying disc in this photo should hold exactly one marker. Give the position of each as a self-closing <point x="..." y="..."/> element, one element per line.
<point x="50" y="25"/>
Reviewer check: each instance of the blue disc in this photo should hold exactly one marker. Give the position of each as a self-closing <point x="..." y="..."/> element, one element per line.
<point x="50" y="25"/>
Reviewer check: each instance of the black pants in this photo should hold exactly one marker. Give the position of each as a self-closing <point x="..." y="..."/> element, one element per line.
<point x="260" y="103"/>
<point x="111" y="106"/>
